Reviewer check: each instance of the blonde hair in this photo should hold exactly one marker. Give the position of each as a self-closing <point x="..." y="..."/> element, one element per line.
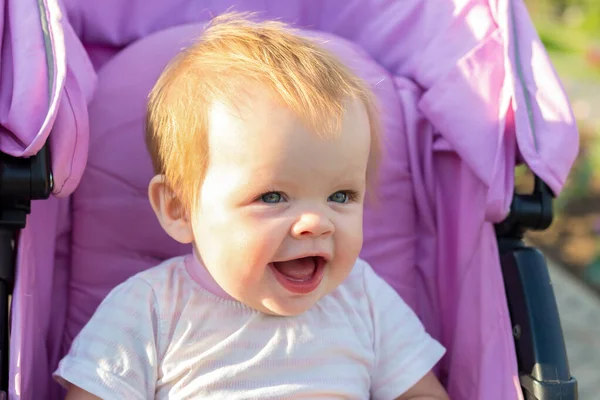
<point x="234" y="49"/>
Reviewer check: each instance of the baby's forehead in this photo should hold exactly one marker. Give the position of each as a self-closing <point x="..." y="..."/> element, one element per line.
<point x="252" y="101"/>
<point x="267" y="125"/>
<point x="266" y="131"/>
<point x="279" y="152"/>
<point x="241" y="100"/>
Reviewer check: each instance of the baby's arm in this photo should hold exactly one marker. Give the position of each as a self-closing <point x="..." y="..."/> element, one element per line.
<point x="428" y="388"/>
<point x="404" y="352"/>
<point x="77" y="393"/>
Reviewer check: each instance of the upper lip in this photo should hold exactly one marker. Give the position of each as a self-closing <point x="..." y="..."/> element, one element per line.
<point x="323" y="255"/>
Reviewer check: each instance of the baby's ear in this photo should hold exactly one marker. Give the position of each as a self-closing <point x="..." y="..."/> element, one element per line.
<point x="169" y="210"/>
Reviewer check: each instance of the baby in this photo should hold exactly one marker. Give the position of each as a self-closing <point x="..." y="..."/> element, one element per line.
<point x="264" y="146"/>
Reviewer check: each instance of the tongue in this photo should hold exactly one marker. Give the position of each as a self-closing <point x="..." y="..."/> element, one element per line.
<point x="300" y="269"/>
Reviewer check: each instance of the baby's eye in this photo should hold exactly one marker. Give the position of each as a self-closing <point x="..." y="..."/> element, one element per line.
<point x="339" y="197"/>
<point x="272" y="197"/>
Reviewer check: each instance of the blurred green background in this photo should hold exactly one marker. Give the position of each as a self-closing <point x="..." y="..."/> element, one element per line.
<point x="570" y="30"/>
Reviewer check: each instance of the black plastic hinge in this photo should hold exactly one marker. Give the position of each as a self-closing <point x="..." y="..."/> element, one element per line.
<point x="21" y="181"/>
<point x="528" y="212"/>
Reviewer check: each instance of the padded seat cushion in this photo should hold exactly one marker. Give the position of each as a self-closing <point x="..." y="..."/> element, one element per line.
<point x="115" y="233"/>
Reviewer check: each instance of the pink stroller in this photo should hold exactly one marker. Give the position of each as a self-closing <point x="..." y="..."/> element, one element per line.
<point x="466" y="91"/>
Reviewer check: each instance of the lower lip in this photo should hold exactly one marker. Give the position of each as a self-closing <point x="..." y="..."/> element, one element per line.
<point x="303" y="287"/>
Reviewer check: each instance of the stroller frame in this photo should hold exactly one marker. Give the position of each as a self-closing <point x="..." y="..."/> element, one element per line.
<point x="539" y="342"/>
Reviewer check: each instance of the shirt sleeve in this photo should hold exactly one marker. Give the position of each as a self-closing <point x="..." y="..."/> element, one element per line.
<point x="404" y="351"/>
<point x="115" y="354"/>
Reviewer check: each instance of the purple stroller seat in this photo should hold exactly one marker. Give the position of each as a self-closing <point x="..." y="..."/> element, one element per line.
<point x="460" y="93"/>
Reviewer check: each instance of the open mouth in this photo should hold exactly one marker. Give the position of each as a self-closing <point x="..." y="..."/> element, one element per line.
<point x="300" y="275"/>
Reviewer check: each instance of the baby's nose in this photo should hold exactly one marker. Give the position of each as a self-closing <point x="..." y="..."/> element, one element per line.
<point x="312" y="225"/>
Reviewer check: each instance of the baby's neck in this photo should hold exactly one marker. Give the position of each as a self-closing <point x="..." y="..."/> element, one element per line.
<point x="202" y="277"/>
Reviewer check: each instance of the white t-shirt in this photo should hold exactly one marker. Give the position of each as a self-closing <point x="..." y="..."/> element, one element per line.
<point x="171" y="333"/>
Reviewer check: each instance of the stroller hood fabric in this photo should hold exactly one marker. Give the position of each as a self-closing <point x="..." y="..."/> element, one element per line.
<point x="467" y="91"/>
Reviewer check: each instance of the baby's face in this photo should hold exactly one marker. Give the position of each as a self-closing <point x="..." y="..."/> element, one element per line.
<point x="279" y="220"/>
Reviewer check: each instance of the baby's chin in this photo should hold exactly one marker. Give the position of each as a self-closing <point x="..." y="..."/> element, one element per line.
<point x="278" y="301"/>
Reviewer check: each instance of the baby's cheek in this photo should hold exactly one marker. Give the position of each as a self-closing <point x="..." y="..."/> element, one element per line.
<point x="349" y="243"/>
<point x="352" y="233"/>
<point x="252" y="248"/>
<point x="351" y="248"/>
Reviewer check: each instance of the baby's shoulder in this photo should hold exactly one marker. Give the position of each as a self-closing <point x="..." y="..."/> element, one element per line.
<point x="364" y="287"/>
<point x="165" y="281"/>
<point x="167" y="271"/>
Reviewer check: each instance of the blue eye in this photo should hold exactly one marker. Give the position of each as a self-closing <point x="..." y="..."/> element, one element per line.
<point x="339" y="197"/>
<point x="271" y="197"/>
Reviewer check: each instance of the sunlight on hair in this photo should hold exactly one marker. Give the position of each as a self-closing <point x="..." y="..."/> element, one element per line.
<point x="236" y="50"/>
